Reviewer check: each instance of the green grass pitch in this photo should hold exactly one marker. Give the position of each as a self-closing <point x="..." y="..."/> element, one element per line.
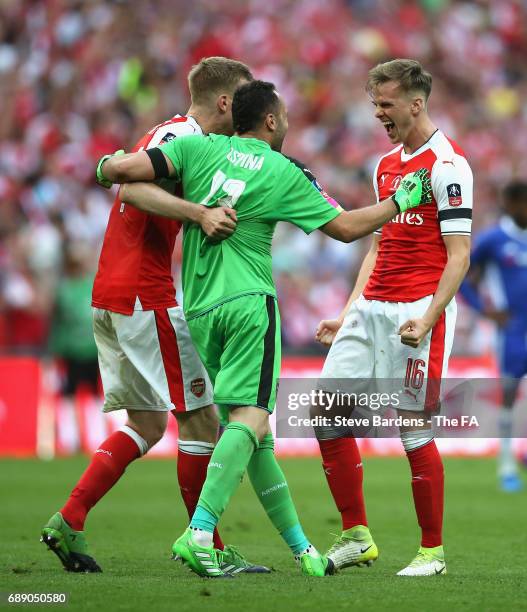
<point x="131" y="532"/>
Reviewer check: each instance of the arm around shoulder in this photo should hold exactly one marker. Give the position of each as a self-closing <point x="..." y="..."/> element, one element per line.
<point x="133" y="167"/>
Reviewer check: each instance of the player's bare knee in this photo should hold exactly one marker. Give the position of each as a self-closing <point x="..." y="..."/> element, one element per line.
<point x="156" y="432"/>
<point x="150" y="425"/>
<point x="414" y="421"/>
<point x="323" y="413"/>
<point x="199" y="424"/>
<point x="324" y="432"/>
<point x="418" y="432"/>
<point x="255" y="418"/>
<point x="261" y="432"/>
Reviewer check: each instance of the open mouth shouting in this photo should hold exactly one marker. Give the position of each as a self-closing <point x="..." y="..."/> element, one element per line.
<point x="389" y="126"/>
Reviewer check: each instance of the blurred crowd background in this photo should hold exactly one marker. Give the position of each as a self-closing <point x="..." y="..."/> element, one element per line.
<point x="82" y="78"/>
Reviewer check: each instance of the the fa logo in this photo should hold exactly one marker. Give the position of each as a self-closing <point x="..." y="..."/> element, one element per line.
<point x="396" y="181"/>
<point x="167" y="137"/>
<point x="454" y="194"/>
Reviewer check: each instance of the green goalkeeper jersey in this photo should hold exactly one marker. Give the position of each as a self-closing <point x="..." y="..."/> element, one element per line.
<point x="264" y="187"/>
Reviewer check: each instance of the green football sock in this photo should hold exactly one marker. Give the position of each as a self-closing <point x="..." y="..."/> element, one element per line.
<point x="272" y="490"/>
<point x="227" y="466"/>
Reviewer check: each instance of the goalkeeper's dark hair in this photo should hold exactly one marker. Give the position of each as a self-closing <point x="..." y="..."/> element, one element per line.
<point x="410" y="75"/>
<point x="515" y="191"/>
<point x="251" y="103"/>
<point x="214" y="76"/>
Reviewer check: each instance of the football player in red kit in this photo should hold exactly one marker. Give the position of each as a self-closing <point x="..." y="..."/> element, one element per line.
<point x="399" y="321"/>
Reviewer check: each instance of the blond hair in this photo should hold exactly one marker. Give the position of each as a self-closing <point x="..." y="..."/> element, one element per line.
<point x="215" y="75"/>
<point x="410" y="75"/>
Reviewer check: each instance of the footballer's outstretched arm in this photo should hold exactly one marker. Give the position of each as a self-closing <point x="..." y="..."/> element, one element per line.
<point x="414" y="190"/>
<point x="354" y="224"/>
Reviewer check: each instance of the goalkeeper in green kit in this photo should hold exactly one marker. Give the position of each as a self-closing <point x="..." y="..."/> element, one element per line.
<point x="229" y="295"/>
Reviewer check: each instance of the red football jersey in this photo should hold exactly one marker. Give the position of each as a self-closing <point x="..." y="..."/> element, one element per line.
<point x="412" y="255"/>
<point x="135" y="266"/>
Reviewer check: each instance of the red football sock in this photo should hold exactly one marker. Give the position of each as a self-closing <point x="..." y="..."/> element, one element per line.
<point x="106" y="467"/>
<point x="342" y="465"/>
<point x="191" y="474"/>
<point x="428" y="490"/>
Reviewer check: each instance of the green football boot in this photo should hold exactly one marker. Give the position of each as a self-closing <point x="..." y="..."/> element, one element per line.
<point x="354" y="546"/>
<point x="69" y="546"/>
<point x="312" y="563"/>
<point x="233" y="562"/>
<point x="428" y="562"/>
<point x="202" y="560"/>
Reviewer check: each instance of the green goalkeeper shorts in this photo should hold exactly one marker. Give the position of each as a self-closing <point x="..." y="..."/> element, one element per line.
<point x="240" y="346"/>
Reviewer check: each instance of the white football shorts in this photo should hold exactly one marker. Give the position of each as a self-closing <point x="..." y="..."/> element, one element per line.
<point x="368" y="349"/>
<point x="148" y="362"/>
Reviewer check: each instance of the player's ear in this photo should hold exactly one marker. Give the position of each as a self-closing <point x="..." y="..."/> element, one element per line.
<point x="417" y="106"/>
<point x="270" y="122"/>
<point x="223" y="102"/>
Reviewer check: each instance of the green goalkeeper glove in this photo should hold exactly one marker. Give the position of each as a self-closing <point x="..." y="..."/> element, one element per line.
<point x="415" y="189"/>
<point x="100" y="178"/>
